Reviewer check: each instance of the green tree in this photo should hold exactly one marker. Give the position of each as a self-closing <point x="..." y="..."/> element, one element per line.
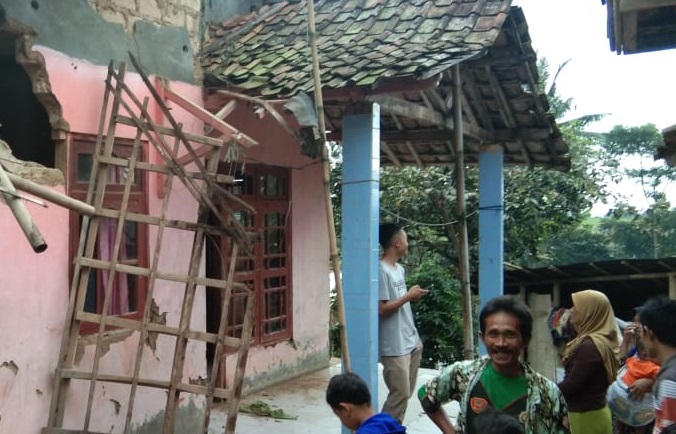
<point x="628" y="155"/>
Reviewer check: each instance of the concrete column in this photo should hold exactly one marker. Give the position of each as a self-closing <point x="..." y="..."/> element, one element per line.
<point x="672" y="286"/>
<point x="491" y="226"/>
<point x="542" y="354"/>
<point x="556" y="294"/>
<point x="360" y="214"/>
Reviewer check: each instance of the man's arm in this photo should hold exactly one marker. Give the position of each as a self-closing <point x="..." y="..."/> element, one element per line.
<point x="436" y="392"/>
<point x="441" y="419"/>
<point x="388" y="307"/>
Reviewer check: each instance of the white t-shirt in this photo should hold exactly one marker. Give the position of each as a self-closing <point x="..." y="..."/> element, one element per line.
<point x="397" y="334"/>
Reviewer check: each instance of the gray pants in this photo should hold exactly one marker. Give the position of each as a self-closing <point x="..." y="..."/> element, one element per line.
<point x="400" y="374"/>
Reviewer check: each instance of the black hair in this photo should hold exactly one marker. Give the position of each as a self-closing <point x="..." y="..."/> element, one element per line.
<point x="659" y="315"/>
<point x="386" y="233"/>
<point x="510" y="305"/>
<point x="497" y="422"/>
<point x="348" y="388"/>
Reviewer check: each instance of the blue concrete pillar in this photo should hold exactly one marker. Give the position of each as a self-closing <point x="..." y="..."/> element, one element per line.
<point x="360" y="205"/>
<point x="491" y="226"/>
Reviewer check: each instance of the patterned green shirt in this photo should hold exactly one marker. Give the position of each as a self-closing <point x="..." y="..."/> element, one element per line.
<point x="547" y="411"/>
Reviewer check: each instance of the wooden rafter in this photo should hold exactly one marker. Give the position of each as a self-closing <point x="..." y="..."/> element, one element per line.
<point x="442" y="108"/>
<point x="409" y="144"/>
<point x="638" y="5"/>
<point x="478" y="101"/>
<point x="393" y="158"/>
<point x="433" y="135"/>
<point x="505" y="109"/>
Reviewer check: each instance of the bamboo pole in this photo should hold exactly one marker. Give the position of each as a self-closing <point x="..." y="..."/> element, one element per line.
<point x="333" y="245"/>
<point x="463" y="243"/>
<point x="50" y="195"/>
<point x="22" y="215"/>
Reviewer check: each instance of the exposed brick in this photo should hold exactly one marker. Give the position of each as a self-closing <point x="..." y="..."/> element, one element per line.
<point x="125" y="5"/>
<point x="149" y="10"/>
<point x="173" y="16"/>
<point x="114" y="17"/>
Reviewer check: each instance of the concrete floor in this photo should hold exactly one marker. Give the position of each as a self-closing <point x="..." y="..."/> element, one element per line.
<point x="304" y="397"/>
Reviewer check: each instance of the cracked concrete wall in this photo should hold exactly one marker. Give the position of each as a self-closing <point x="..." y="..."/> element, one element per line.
<point x="163" y="34"/>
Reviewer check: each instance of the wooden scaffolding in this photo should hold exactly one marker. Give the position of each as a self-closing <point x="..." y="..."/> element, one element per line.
<point x="215" y="203"/>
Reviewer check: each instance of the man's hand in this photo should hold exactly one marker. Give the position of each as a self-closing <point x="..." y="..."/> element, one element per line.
<point x="415" y="292"/>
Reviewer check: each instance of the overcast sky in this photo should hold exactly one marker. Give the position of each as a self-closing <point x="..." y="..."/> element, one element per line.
<point x="633" y="89"/>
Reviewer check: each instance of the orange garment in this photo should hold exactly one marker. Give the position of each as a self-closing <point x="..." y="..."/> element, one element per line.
<point x="639" y="368"/>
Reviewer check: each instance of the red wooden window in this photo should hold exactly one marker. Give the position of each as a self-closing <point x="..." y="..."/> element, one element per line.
<point x="268" y="271"/>
<point x="128" y="290"/>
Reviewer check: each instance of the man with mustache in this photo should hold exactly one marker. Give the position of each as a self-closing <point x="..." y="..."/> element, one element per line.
<point x="499" y="381"/>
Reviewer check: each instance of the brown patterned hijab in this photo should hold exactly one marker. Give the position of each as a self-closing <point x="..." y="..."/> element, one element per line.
<point x="595" y="319"/>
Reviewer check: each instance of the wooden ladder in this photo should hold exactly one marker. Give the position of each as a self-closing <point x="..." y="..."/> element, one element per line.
<point x="122" y="107"/>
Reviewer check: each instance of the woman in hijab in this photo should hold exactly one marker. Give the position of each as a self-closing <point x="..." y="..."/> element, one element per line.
<point x="590" y="360"/>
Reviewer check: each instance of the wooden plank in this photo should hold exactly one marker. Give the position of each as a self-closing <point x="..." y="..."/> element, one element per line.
<point x="226" y="294"/>
<point x="506" y="110"/>
<point x="396" y="106"/>
<point x="108" y="288"/>
<point x="161" y="168"/>
<point x="145" y="272"/>
<point x="209" y="118"/>
<point x="174" y="224"/>
<point x="266" y="105"/>
<point x="242" y="356"/>
<point x="409" y="144"/>
<point x="639" y="5"/>
<point x="86" y="245"/>
<point x="630" y="31"/>
<point x="152" y="279"/>
<point x="478" y="100"/>
<point x="222" y="113"/>
<point x="132" y="324"/>
<point x="199" y="152"/>
<point x="197" y="138"/>
<point x="145" y="382"/>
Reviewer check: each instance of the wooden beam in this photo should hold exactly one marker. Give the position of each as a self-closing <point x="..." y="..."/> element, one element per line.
<point x="222" y="113"/>
<point x="592" y="279"/>
<point x="401" y="107"/>
<point x="479" y="102"/>
<point x="433" y="135"/>
<point x="409" y="144"/>
<point x="638" y="5"/>
<point x="197" y="138"/>
<point x="629" y="31"/>
<point x="209" y="118"/>
<point x="506" y="110"/>
<point x="393" y="158"/>
<point x="387" y="86"/>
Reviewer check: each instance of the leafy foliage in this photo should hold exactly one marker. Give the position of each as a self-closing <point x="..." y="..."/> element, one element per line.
<point x="438" y="314"/>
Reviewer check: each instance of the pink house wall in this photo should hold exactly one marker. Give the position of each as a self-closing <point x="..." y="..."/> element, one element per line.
<point x="309" y="348"/>
<point x="34" y="287"/>
<point x="34" y="294"/>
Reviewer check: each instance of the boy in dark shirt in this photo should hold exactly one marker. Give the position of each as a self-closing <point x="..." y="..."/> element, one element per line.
<point x="349" y="397"/>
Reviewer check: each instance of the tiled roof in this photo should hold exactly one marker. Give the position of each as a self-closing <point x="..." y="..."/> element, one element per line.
<point x="361" y="42"/>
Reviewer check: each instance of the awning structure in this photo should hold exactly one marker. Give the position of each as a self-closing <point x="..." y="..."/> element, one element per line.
<point x="399" y="54"/>
<point x="638" y="26"/>
<point x="628" y="282"/>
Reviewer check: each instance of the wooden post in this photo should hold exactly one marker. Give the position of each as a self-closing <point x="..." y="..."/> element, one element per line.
<point x="463" y="243"/>
<point x="333" y="244"/>
<point x="672" y="286"/>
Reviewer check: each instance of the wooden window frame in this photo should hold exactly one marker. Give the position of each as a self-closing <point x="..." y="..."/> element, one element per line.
<point x="256" y="274"/>
<point x="138" y="202"/>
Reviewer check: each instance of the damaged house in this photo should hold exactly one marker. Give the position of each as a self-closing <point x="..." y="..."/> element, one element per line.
<point x="55" y="61"/>
<point x="192" y="263"/>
